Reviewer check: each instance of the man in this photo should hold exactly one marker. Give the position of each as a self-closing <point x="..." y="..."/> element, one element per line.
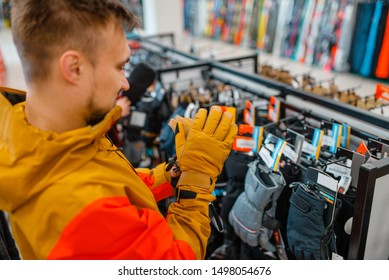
<point x="70" y="193"/>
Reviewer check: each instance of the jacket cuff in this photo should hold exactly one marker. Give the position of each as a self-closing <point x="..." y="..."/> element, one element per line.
<point x="161" y="175"/>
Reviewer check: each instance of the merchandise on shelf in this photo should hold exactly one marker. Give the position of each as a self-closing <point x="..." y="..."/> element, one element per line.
<point x="335" y="35"/>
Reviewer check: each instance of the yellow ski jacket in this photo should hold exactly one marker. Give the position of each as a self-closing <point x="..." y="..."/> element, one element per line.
<point x="75" y="196"/>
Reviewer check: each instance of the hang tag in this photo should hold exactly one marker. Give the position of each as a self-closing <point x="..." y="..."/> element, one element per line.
<point x="277" y="153"/>
<point x="252" y="115"/>
<point x="243" y="144"/>
<point x="257" y="138"/>
<point x="346" y="136"/>
<point x="327" y="181"/>
<point x="316" y="142"/>
<point x="327" y="141"/>
<point x="271" y="138"/>
<point x="245" y="129"/>
<point x="270" y="146"/>
<point x="338" y="170"/>
<point x="247" y="118"/>
<point x="290" y="154"/>
<point x="309" y="148"/>
<point x="336" y="137"/>
<point x="336" y="256"/>
<point x="344" y="173"/>
<point x="344" y="184"/>
<point x="333" y="135"/>
<point x="324" y="182"/>
<point x="382" y="91"/>
<point x="362" y="148"/>
<point x="272" y="115"/>
<point x="274" y="109"/>
<point x="266" y="157"/>
<point x="354" y="161"/>
<point x="296" y="140"/>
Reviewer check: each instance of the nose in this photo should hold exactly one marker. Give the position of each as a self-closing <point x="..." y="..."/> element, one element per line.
<point x="125" y="85"/>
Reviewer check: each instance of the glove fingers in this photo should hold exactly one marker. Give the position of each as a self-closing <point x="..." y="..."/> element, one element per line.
<point x="223" y="127"/>
<point x="213" y="120"/>
<point x="173" y="123"/>
<point x="199" y="121"/>
<point x="229" y="139"/>
<point x="180" y="139"/>
<point x="187" y="122"/>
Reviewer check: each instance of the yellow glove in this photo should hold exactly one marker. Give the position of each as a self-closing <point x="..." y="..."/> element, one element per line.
<point x="202" y="146"/>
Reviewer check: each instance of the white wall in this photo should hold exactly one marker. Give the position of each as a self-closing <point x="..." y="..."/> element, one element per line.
<point x="163" y="16"/>
<point x="13" y="68"/>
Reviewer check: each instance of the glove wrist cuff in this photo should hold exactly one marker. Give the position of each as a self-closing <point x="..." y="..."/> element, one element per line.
<point x="194" y="179"/>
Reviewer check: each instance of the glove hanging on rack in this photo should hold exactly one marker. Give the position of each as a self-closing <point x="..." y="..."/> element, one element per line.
<point x="256" y="203"/>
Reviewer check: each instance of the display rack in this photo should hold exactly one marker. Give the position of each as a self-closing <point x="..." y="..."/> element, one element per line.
<point x="248" y="61"/>
<point x="369" y="123"/>
<point x="370" y="226"/>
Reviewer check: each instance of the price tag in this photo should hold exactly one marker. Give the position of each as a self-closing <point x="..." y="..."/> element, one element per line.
<point x="245" y="143"/>
<point x="257" y="138"/>
<point x="344" y="184"/>
<point x="328" y="182"/>
<point x="247" y="118"/>
<point x="309" y="148"/>
<point x="336" y="134"/>
<point x="278" y="151"/>
<point x="345" y="140"/>
<point x="274" y="109"/>
<point x="327" y="141"/>
<point x="270" y="146"/>
<point x="338" y="170"/>
<point x="289" y="153"/>
<point x="266" y="157"/>
<point x="273" y="115"/>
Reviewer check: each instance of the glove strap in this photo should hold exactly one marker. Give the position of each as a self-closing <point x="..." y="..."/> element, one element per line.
<point x="200" y="180"/>
<point x="184" y="194"/>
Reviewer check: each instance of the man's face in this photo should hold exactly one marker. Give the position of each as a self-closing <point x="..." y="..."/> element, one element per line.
<point x="107" y="77"/>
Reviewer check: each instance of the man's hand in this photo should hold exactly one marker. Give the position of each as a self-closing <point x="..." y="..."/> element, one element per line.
<point x="125" y="104"/>
<point x="202" y="146"/>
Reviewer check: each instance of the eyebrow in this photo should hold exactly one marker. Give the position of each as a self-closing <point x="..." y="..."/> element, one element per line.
<point x="125" y="61"/>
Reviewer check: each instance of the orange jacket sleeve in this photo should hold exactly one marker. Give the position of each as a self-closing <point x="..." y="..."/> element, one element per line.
<point x="158" y="181"/>
<point x="112" y="228"/>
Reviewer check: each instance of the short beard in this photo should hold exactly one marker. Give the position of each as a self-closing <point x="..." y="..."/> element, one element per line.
<point x="95" y="118"/>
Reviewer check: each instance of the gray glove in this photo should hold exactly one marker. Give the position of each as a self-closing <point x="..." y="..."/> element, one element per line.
<point x="262" y="187"/>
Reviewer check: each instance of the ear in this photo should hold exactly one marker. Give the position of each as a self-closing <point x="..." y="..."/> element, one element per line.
<point x="72" y="66"/>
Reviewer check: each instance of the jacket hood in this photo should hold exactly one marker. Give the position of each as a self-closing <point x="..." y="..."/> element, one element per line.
<point x="31" y="159"/>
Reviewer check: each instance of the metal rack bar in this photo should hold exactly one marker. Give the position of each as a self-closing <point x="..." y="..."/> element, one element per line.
<point x="285" y="90"/>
